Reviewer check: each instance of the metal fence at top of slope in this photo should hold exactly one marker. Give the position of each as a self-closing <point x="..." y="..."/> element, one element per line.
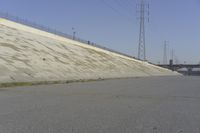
<point x="56" y="32"/>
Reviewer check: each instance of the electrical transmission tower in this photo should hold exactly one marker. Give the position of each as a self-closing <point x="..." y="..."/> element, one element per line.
<point x="172" y="54"/>
<point x="142" y="46"/>
<point x="165" y="60"/>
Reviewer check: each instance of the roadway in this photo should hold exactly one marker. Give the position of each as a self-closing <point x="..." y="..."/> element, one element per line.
<point x="135" y="105"/>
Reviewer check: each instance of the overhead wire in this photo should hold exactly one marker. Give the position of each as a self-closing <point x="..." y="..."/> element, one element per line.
<point x="125" y="6"/>
<point x="116" y="10"/>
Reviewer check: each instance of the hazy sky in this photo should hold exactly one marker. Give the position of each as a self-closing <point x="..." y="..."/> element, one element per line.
<point x="114" y="24"/>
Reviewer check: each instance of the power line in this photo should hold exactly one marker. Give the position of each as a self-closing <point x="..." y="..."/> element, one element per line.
<point x="130" y="2"/>
<point x="106" y="3"/>
<point x="126" y="7"/>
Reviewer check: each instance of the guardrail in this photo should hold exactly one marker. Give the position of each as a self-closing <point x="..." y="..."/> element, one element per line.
<point x="56" y="32"/>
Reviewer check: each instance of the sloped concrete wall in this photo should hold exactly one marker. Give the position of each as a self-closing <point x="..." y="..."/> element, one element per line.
<point x="28" y="54"/>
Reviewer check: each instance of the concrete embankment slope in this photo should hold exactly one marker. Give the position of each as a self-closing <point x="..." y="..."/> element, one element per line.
<point x="28" y="54"/>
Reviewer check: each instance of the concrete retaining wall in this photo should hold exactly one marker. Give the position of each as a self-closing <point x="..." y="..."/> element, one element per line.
<point x="28" y="54"/>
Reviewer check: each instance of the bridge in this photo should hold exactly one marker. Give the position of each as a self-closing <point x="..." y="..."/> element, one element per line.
<point x="175" y="67"/>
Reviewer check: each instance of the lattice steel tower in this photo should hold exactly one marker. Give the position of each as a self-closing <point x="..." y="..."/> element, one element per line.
<point x="165" y="60"/>
<point x="142" y="18"/>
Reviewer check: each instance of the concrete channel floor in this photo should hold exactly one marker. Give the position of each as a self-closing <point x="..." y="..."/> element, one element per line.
<point x="134" y="105"/>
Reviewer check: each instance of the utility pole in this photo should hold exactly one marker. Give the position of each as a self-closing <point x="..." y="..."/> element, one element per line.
<point x="74" y="33"/>
<point x="172" y="54"/>
<point x="142" y="41"/>
<point x="165" y="60"/>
